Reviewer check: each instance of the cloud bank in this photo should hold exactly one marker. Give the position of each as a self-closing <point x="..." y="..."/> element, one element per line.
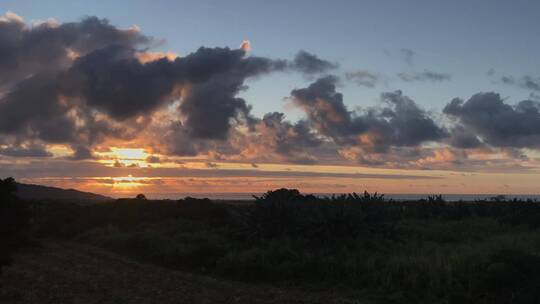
<point x="86" y="85"/>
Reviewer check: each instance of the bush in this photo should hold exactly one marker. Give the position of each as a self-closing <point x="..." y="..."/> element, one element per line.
<point x="286" y="212"/>
<point x="14" y="219"/>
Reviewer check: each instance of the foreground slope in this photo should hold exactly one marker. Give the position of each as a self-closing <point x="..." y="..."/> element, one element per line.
<point x="64" y="272"/>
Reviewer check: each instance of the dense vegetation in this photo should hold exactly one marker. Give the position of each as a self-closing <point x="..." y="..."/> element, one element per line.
<point x="428" y="251"/>
<point x="14" y="220"/>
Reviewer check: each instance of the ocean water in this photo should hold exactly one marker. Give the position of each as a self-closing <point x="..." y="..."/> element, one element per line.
<point x="394" y="196"/>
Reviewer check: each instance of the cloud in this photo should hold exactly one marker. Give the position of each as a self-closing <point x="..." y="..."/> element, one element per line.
<point x="460" y="137"/>
<point x="534" y="96"/>
<point x="81" y="153"/>
<point x="152" y="159"/>
<point x="177" y="141"/>
<point x="36" y="109"/>
<point x="444" y="157"/>
<point x="113" y="81"/>
<point x="525" y="82"/>
<point x="425" y="76"/>
<point x="65" y="106"/>
<point x="496" y="122"/>
<point x="308" y="63"/>
<point x="245" y="45"/>
<point x="408" y="124"/>
<point x="32" y="150"/>
<point x="10" y="16"/>
<point x="92" y="81"/>
<point x="362" y="78"/>
<point x="88" y="84"/>
<point x="275" y="138"/>
<point x="407" y="55"/>
<point x="48" y="47"/>
<point x="400" y="122"/>
<point x="49" y="169"/>
<point x="325" y="109"/>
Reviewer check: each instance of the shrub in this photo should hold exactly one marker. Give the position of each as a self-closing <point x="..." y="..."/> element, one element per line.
<point x="14" y="219"/>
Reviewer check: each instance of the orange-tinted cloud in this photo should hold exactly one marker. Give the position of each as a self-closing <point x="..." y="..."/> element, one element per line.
<point x="245" y="45"/>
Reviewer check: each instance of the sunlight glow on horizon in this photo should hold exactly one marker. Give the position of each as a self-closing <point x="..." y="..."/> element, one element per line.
<point x="129" y="153"/>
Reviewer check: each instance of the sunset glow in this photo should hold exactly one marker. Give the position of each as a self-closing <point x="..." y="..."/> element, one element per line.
<point x="128" y="181"/>
<point x="129" y="154"/>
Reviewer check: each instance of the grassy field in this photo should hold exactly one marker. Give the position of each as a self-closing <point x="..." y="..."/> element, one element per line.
<point x="427" y="251"/>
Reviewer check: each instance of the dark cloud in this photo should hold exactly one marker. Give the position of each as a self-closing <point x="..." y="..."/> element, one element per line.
<point x="89" y="83"/>
<point x="326" y="111"/>
<point x="115" y="82"/>
<point x="308" y="63"/>
<point x="47" y="47"/>
<point x="408" y="123"/>
<point x="81" y="152"/>
<point x="525" y="82"/>
<point x="31" y="109"/>
<point x="112" y="81"/>
<point x="496" y="122"/>
<point x="362" y="78"/>
<point x="425" y="76"/>
<point x="271" y="138"/>
<point x="33" y="150"/>
<point x="277" y="136"/>
<point x="462" y="138"/>
<point x="399" y="122"/>
<point x="36" y="109"/>
<point x="178" y="141"/>
<point x="211" y="107"/>
<point x="34" y="61"/>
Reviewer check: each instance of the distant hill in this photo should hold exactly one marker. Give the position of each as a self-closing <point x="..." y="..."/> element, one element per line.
<point x="34" y="192"/>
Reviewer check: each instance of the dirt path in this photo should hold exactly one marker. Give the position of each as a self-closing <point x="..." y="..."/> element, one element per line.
<point x="78" y="274"/>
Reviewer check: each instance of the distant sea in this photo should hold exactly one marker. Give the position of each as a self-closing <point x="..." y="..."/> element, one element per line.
<point x="397" y="197"/>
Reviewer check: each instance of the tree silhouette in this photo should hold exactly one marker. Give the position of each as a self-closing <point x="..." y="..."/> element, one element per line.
<point x="140" y="196"/>
<point x="8" y="187"/>
<point x="14" y="218"/>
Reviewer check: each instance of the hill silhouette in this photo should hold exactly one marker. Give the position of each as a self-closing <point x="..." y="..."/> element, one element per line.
<point x="39" y="192"/>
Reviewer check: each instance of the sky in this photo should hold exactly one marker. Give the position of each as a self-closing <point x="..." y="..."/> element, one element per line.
<point x="176" y="97"/>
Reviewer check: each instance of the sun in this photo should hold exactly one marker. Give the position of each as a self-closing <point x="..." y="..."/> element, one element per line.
<point x="129" y="153"/>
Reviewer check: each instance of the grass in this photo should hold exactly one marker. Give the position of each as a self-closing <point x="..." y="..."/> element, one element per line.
<point x="427" y="251"/>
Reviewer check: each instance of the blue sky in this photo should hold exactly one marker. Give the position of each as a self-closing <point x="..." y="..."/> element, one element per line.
<point x="461" y="38"/>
